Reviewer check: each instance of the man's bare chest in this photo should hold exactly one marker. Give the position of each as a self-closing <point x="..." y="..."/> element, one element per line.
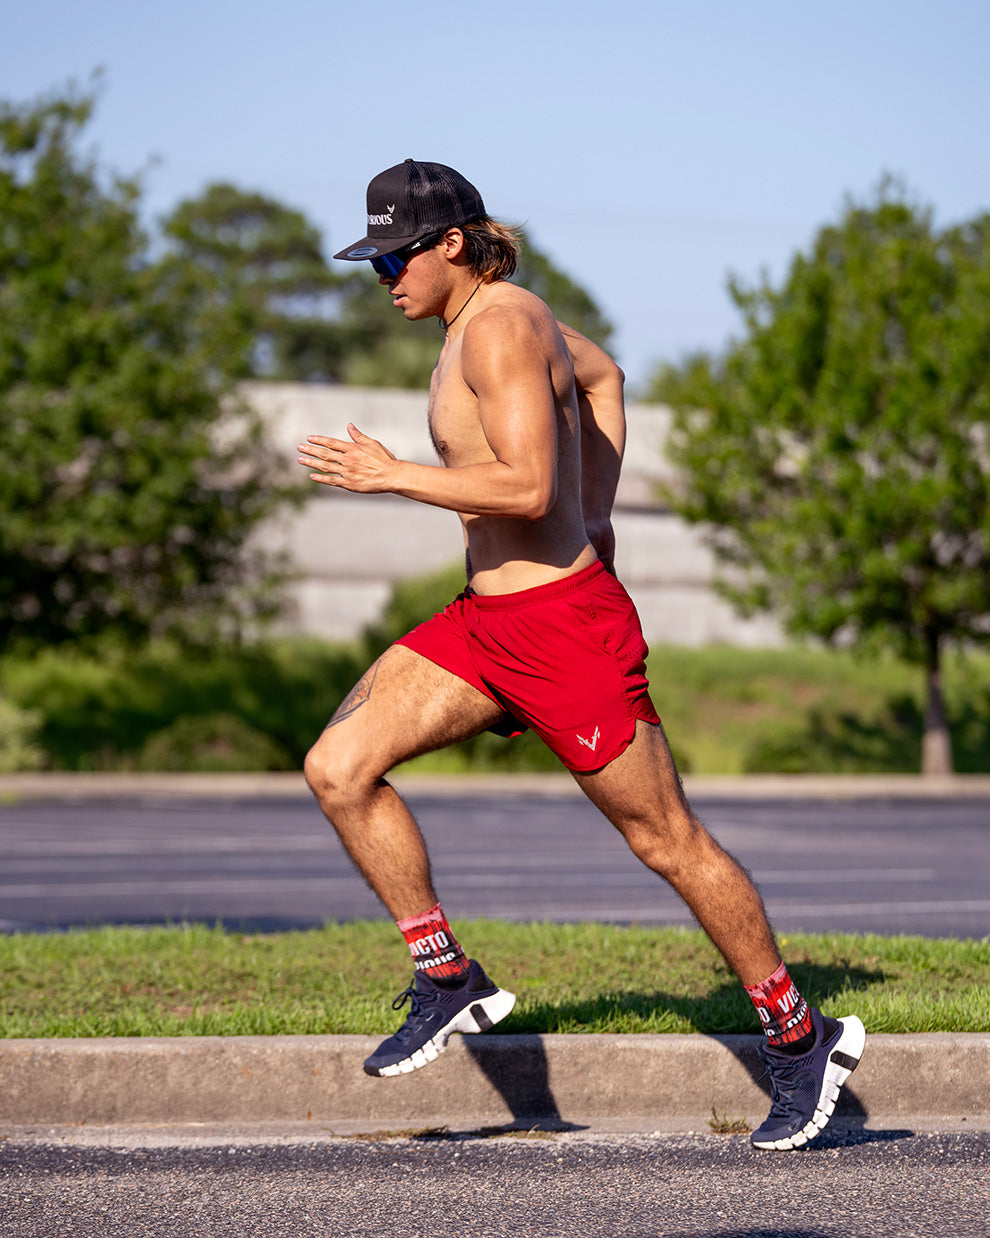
<point x="455" y="420"/>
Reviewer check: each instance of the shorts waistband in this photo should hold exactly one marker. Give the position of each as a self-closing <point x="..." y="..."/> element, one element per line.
<point x="541" y="593"/>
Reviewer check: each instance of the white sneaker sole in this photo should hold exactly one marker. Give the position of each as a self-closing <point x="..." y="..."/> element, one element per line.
<point x="480" y="1016"/>
<point x="842" y="1061"/>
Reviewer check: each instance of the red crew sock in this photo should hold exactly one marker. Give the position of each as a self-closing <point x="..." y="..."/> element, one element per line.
<point x="434" y="947"/>
<point x="785" y="1015"/>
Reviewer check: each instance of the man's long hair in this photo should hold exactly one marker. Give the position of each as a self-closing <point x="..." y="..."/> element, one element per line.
<point x="492" y="248"/>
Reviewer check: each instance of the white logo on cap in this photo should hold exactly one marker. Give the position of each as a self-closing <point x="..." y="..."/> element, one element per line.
<point x="376" y="221"/>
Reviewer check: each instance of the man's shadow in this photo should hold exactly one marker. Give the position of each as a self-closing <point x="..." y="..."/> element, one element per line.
<point x="523" y="1080"/>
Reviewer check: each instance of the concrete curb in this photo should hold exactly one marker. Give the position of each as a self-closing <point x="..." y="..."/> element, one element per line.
<point x="670" y="1082"/>
<point x="63" y="785"/>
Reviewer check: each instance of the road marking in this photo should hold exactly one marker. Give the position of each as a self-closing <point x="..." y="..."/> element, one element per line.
<point x="181" y="844"/>
<point x="641" y="877"/>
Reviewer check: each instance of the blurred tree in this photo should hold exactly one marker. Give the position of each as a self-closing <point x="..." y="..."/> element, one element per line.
<point x="839" y="452"/>
<point x="568" y="300"/>
<point x="381" y="348"/>
<point x="310" y="323"/>
<point x="130" y="480"/>
<point x="268" y="268"/>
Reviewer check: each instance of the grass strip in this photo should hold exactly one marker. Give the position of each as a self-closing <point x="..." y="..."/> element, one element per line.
<point x="195" y="980"/>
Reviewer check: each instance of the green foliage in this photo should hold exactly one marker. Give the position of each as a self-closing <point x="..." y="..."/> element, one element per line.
<point x="382" y="349"/>
<point x="19" y="729"/>
<point x="261" y="264"/>
<point x="839" y="451"/>
<point x="568" y="300"/>
<point x="726" y="711"/>
<point x="838" y="454"/>
<point x="812" y="710"/>
<point x="142" y="708"/>
<point x="266" y="268"/>
<point x="129" y="480"/>
<point x="412" y="602"/>
<point x="212" y="743"/>
<point x="586" y="978"/>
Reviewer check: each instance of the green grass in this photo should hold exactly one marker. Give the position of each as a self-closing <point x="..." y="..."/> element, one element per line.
<point x="194" y="980"/>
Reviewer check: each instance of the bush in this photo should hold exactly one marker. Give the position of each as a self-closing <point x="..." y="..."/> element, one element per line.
<point x="726" y="711"/>
<point x="839" y="742"/>
<point x="212" y="743"/>
<point x="18" y="734"/>
<point x="412" y="602"/>
<point x="99" y="713"/>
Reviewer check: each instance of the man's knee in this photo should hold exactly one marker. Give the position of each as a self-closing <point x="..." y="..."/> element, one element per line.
<point x="336" y="773"/>
<point x="669" y="840"/>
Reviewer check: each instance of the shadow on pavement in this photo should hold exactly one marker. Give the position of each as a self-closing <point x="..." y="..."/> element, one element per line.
<point x="524" y="1084"/>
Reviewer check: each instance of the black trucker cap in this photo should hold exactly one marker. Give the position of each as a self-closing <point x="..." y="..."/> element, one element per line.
<point x="411" y="201"/>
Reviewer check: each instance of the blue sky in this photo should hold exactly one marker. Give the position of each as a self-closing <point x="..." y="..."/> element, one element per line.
<point x="651" y="148"/>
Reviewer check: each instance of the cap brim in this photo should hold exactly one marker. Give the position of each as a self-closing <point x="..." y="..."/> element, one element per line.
<point x="375" y="247"/>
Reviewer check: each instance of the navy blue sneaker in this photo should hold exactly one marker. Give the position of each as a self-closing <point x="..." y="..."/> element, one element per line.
<point x="434" y="1014"/>
<point x="804" y="1089"/>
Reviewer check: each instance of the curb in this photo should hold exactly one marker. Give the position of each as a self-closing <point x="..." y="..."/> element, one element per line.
<point x="63" y="785"/>
<point x="674" y="1082"/>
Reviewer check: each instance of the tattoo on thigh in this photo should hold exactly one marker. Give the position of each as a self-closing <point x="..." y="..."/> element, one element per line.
<point x="355" y="698"/>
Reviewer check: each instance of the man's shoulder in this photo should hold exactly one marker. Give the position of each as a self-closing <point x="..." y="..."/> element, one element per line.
<point x="509" y="308"/>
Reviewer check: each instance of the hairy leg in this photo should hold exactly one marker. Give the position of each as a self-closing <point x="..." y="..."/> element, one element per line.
<point x="403" y="706"/>
<point x="642" y="796"/>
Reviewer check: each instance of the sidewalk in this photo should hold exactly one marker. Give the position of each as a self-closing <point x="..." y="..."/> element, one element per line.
<point x="933" y="1081"/>
<point x="62" y="785"/>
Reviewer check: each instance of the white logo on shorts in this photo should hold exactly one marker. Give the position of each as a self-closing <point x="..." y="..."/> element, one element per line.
<point x="590" y="743"/>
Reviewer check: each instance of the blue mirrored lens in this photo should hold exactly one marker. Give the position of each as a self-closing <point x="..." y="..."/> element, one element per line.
<point x="388" y="265"/>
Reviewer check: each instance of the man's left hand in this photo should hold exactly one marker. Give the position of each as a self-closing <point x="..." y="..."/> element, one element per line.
<point x="362" y="465"/>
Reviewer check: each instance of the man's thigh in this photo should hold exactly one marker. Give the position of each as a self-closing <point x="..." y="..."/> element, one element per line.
<point x="640" y="789"/>
<point x="404" y="705"/>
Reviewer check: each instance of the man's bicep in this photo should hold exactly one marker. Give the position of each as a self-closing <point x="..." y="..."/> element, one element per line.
<point x="515" y="398"/>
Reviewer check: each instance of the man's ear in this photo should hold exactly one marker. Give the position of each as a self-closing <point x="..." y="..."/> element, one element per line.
<point x="453" y="244"/>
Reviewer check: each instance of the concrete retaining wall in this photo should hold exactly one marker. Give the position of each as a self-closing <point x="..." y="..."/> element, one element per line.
<point x="350" y="549"/>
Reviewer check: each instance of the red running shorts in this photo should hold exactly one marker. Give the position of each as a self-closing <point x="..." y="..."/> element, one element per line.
<point x="567" y="659"/>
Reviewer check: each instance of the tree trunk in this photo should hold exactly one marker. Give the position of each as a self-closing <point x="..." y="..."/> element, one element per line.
<point x="936" y="744"/>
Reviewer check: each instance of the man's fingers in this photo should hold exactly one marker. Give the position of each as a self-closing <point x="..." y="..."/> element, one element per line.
<point x="315" y="442"/>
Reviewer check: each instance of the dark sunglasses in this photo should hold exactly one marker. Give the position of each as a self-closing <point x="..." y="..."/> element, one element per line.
<point x="389" y="265"/>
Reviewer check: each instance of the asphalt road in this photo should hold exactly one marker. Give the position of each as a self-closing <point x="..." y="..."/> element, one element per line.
<point x="889" y="1184"/>
<point x="868" y="865"/>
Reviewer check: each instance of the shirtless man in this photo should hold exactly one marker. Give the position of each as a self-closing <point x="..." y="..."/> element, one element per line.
<point x="527" y="418"/>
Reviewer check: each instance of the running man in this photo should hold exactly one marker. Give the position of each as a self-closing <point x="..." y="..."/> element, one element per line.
<point x="527" y="420"/>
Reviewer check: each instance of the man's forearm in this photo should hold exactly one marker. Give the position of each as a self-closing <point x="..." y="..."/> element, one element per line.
<point x="489" y="489"/>
<point x="525" y="489"/>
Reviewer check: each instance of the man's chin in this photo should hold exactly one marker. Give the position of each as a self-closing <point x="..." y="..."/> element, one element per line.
<point x="411" y="314"/>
